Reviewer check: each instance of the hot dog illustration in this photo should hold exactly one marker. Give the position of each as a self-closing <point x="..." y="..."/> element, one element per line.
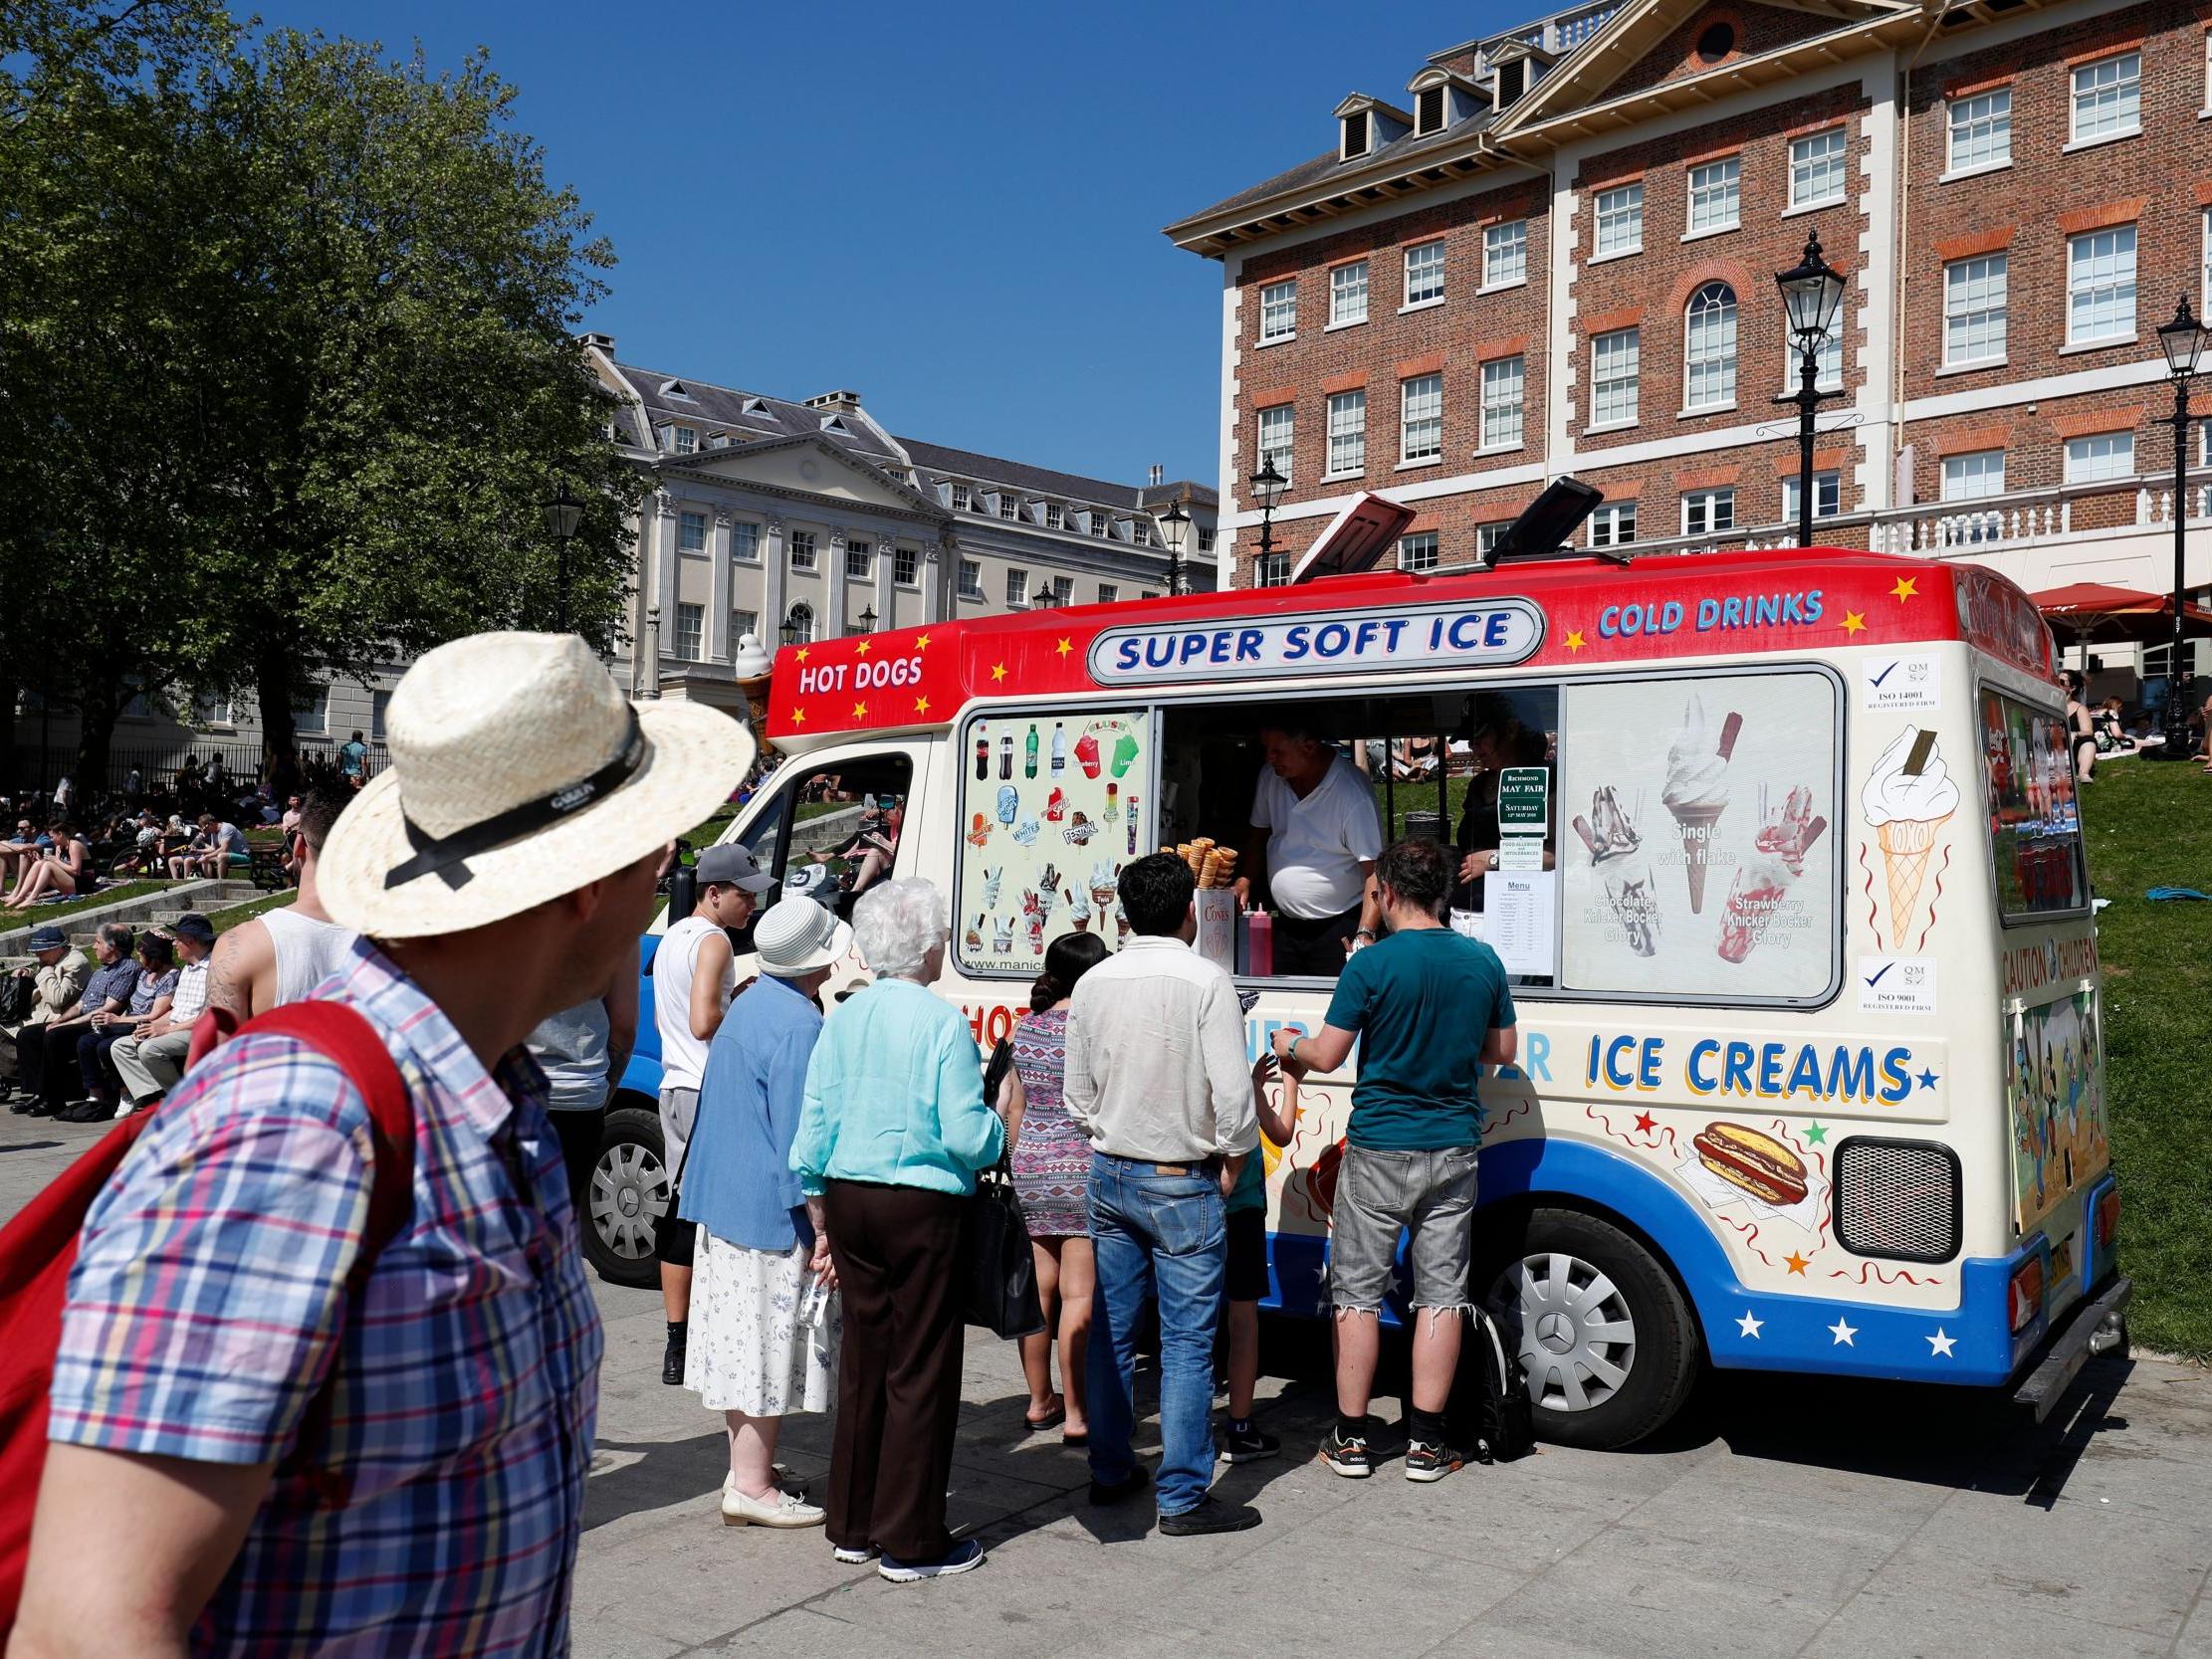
<point x="1756" y="1162"/>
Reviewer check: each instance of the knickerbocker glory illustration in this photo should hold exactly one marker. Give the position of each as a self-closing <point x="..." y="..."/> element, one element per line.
<point x="1050" y="827"/>
<point x="1733" y="891"/>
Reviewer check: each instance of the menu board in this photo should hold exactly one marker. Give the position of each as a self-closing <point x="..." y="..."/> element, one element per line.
<point x="1698" y="856"/>
<point x="1050" y="809"/>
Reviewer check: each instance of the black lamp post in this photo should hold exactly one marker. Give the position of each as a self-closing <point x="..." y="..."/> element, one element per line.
<point x="869" y="620"/>
<point x="2183" y="341"/>
<point x="789" y="632"/>
<point x="1268" y="488"/>
<point x="1174" y="525"/>
<point x="1812" y="294"/>
<point x="1047" y="597"/>
<point x="562" y="514"/>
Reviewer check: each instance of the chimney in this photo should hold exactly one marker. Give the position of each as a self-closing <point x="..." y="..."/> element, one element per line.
<point x="598" y="342"/>
<point x="1159" y="475"/>
<point x="837" y="403"/>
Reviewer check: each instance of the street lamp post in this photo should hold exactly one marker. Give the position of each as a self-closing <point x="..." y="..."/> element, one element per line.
<point x="869" y="620"/>
<point x="2183" y="341"/>
<point x="789" y="630"/>
<point x="564" y="513"/>
<point x="1268" y="487"/>
<point x="1811" y="295"/>
<point x="1175" y="525"/>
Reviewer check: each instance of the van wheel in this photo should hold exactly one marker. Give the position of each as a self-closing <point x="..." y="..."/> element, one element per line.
<point x="1607" y="1341"/>
<point x="628" y="1197"/>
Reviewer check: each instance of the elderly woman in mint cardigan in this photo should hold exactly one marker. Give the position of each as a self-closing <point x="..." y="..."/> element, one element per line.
<point x="891" y="1134"/>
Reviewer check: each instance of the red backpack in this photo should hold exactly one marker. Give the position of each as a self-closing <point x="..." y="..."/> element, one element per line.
<point x="38" y="1247"/>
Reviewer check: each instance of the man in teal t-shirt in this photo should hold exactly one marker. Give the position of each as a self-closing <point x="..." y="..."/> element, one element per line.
<point x="1429" y="1009"/>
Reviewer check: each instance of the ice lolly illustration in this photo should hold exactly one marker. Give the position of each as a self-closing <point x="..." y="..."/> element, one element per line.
<point x="1763" y="880"/>
<point x="1055" y="808"/>
<point x="1079" y="910"/>
<point x="1009" y="803"/>
<point x="1696" y="790"/>
<point x="978" y="831"/>
<point x="1617" y="854"/>
<point x="1079" y="830"/>
<point x="1026" y="833"/>
<point x="1131" y="809"/>
<point x="1125" y="753"/>
<point x="1086" y="753"/>
<point x="1111" y="814"/>
<point x="1907" y="799"/>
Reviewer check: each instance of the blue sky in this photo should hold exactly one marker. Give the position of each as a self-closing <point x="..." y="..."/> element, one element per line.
<point x="953" y="209"/>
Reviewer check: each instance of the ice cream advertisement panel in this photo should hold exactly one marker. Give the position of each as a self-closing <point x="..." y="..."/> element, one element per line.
<point x="1050" y="810"/>
<point x="1702" y="861"/>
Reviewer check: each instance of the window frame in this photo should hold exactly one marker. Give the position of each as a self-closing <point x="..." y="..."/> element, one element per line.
<point x="1726" y="185"/>
<point x="860" y="561"/>
<point x="1944" y="477"/>
<point x="1274" y="336"/>
<point x="906" y="567"/>
<point x="1017" y="588"/>
<point x="1828" y="484"/>
<point x="686" y="519"/>
<point x="1997" y="282"/>
<point x="1516" y="411"/>
<point x="1429" y="388"/>
<point x="1600" y="383"/>
<point x="962" y="590"/>
<point x="1348" y="436"/>
<point x="1609" y="514"/>
<point x="1434" y="295"/>
<point x="2126" y="83"/>
<point x="1820" y="166"/>
<point x="1601" y="213"/>
<point x="813" y="560"/>
<point x="695" y="617"/>
<point x="1733" y="359"/>
<point x="1711" y="495"/>
<point x="1342" y="292"/>
<point x="1505" y="243"/>
<point x="2075" y="289"/>
<point x="1411" y="557"/>
<point x="2090" y="458"/>
<point x="744" y="540"/>
<point x="1288" y="413"/>
<point x="1993" y="121"/>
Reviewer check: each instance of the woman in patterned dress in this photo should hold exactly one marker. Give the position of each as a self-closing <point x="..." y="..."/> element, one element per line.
<point x="1052" y="1174"/>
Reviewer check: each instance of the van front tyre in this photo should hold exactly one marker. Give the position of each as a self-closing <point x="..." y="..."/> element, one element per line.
<point x="628" y="1197"/>
<point x="1605" y="1335"/>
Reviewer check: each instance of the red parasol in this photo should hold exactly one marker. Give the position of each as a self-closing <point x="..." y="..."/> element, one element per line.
<point x="2096" y="610"/>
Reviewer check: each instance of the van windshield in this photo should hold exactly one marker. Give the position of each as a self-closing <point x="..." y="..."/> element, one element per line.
<point x="2035" y="821"/>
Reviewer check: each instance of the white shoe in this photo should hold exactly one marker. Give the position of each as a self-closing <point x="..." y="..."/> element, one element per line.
<point x="776" y="1509"/>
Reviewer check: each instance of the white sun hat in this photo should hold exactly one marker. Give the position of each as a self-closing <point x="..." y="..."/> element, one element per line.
<point x="519" y="772"/>
<point x="797" y="937"/>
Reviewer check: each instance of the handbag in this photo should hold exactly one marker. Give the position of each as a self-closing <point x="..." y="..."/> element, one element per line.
<point x="999" y="1272"/>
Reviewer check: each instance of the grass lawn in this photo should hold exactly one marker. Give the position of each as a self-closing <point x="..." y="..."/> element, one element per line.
<point x="2149" y="824"/>
<point x="54" y="913"/>
<point x="223" y="920"/>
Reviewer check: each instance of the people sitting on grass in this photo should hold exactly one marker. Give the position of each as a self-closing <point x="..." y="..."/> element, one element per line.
<point x="64" y="871"/>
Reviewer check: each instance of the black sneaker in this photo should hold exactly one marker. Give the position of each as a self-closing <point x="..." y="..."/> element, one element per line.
<point x="672" y="1361"/>
<point x="1113" y="1491"/>
<point x="1209" y="1515"/>
<point x="1247" y="1447"/>
<point x="1347" y="1455"/>
<point x="1428" y="1460"/>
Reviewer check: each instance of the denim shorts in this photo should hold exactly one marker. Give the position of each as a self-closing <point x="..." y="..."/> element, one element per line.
<point x="1379" y="1194"/>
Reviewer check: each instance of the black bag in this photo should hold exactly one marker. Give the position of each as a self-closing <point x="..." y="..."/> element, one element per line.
<point x="16" y="997"/>
<point x="1493" y="1416"/>
<point x="1001" y="1273"/>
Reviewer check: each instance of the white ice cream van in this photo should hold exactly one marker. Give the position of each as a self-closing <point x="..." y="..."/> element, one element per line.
<point x="1788" y="876"/>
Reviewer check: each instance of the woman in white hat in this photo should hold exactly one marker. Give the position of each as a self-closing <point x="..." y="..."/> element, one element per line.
<point x="763" y="1307"/>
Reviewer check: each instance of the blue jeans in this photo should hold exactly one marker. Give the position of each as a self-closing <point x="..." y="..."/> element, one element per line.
<point x="1164" y="1237"/>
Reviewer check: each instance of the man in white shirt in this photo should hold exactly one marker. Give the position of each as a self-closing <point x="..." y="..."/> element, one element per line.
<point x="151" y="1060"/>
<point x="1317" y="835"/>
<point x="1156" y="1075"/>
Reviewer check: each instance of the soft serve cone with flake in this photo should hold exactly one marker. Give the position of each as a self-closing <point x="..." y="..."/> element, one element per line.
<point x="1696" y="790"/>
<point x="1907" y="799"/>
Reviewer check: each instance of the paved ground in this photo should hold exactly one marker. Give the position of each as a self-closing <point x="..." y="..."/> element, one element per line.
<point x="1785" y="1517"/>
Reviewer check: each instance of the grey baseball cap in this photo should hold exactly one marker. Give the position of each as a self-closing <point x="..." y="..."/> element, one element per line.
<point x="732" y="865"/>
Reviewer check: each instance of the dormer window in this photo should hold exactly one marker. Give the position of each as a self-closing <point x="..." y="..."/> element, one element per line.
<point x="686" y="440"/>
<point x="1009" y="505"/>
<point x="1429" y="110"/>
<point x="1356" y="134"/>
<point x="1511" y="82"/>
<point x="836" y="424"/>
<point x="960" y="498"/>
<point x="676" y="388"/>
<point x="757" y="406"/>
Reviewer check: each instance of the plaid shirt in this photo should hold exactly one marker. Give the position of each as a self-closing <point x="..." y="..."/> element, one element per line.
<point x="191" y="994"/>
<point x="208" y="1306"/>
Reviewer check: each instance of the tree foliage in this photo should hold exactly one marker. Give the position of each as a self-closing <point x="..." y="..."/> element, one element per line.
<point x="333" y="296"/>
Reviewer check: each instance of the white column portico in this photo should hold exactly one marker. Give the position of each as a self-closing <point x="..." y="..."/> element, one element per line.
<point x="718" y="645"/>
<point x="774" y="566"/>
<point x="834" y="584"/>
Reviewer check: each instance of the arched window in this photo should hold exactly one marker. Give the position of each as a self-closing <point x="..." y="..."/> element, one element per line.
<point x="1709" y="348"/>
<point x="802" y="624"/>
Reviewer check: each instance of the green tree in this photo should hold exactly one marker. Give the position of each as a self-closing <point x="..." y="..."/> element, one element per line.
<point x="401" y="393"/>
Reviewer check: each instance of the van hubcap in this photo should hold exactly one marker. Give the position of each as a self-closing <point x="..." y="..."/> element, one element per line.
<point x="629" y="1195"/>
<point x="1574" y="1328"/>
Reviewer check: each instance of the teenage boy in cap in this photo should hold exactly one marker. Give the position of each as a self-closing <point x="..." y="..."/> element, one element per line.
<point x="58" y="980"/>
<point x="694" y="976"/>
<point x="153" y="1059"/>
<point x="497" y="870"/>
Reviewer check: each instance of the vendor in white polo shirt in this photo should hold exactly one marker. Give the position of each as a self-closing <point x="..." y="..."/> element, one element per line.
<point x="1315" y="832"/>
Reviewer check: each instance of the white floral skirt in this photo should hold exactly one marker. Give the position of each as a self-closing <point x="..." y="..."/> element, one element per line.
<point x="763" y="1340"/>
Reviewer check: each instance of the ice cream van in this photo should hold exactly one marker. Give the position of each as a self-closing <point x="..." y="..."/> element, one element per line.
<point x="1782" y="853"/>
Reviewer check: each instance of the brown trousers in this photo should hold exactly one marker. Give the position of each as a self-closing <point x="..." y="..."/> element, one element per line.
<point x="897" y="1251"/>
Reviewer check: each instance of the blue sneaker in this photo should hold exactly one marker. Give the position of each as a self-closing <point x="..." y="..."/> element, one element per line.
<point x="964" y="1556"/>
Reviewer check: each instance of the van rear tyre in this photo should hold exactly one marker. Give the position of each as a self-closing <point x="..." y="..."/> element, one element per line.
<point x="627" y="1199"/>
<point x="1606" y="1339"/>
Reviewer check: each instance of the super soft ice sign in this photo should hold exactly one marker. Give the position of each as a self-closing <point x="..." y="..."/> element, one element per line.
<point x="1492" y="633"/>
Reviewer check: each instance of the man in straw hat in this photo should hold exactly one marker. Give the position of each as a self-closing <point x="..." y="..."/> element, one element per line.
<point x="496" y="870"/>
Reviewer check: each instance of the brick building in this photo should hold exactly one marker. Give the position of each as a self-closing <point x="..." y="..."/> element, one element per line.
<point x="1556" y="254"/>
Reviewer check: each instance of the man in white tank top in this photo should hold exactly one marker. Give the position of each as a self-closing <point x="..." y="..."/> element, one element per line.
<point x="693" y="976"/>
<point x="283" y="954"/>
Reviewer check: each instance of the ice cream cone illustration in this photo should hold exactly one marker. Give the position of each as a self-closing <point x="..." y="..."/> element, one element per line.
<point x="1079" y="910"/>
<point x="1617" y="854"/>
<point x="1907" y="799"/>
<point x="1696" y="790"/>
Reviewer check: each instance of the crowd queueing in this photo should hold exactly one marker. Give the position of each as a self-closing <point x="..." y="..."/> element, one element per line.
<point x="496" y="880"/>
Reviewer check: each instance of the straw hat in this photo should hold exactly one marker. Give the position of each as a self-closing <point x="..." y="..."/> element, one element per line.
<point x="797" y="937"/>
<point x="519" y="772"/>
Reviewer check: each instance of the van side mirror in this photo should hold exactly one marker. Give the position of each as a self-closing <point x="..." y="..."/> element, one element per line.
<point x="683" y="892"/>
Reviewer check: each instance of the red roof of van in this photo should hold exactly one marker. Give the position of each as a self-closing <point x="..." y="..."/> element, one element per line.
<point x="1549" y="612"/>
